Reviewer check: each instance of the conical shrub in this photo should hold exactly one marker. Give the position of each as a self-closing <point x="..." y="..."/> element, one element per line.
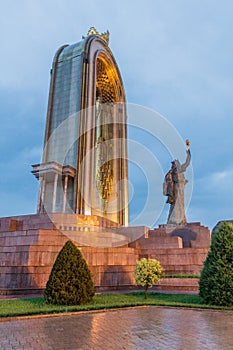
<point x="216" y="280"/>
<point x="70" y="281"/>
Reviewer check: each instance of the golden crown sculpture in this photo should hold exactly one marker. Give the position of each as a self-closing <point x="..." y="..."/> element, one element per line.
<point x="104" y="36"/>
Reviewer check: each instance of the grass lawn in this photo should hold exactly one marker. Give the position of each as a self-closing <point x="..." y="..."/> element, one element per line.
<point x="35" y="306"/>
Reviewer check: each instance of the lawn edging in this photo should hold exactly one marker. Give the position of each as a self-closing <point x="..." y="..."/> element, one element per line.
<point x="37" y="306"/>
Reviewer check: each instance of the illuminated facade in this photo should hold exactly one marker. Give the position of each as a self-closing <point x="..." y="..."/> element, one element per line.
<point x="84" y="168"/>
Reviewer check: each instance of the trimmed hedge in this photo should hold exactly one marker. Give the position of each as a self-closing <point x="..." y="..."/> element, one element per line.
<point x="216" y="281"/>
<point x="70" y="281"/>
<point x="182" y="275"/>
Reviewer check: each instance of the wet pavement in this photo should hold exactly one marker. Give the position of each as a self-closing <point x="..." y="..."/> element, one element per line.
<point x="135" y="328"/>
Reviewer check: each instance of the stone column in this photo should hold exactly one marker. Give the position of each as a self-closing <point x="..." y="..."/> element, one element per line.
<point x="65" y="194"/>
<point x="39" y="195"/>
<point x="54" y="193"/>
<point x="42" y="196"/>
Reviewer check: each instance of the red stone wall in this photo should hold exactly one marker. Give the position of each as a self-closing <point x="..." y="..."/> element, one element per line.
<point x="29" y="246"/>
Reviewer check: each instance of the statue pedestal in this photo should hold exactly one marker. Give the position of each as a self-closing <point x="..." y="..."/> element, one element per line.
<point x="190" y="235"/>
<point x="193" y="235"/>
<point x="181" y="249"/>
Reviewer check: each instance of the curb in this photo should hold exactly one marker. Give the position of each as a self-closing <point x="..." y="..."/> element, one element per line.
<point x="72" y="313"/>
<point x="76" y="313"/>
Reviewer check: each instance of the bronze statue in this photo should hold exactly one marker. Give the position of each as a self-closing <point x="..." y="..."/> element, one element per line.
<point x="173" y="188"/>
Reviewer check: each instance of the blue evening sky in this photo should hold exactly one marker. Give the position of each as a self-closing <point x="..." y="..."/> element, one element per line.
<point x="175" y="57"/>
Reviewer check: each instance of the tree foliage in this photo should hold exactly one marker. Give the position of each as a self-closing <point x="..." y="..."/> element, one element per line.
<point x="70" y="281"/>
<point x="147" y="273"/>
<point x="216" y="281"/>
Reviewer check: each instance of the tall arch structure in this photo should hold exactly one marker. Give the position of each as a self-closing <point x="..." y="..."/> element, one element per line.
<point x="84" y="166"/>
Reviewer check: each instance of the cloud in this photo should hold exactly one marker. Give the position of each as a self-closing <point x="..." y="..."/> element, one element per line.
<point x="222" y="176"/>
<point x="212" y="197"/>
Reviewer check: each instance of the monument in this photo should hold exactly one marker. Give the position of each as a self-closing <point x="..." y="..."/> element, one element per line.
<point x="83" y="189"/>
<point x="84" y="167"/>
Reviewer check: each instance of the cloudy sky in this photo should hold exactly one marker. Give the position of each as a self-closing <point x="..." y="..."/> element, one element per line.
<point x="175" y="57"/>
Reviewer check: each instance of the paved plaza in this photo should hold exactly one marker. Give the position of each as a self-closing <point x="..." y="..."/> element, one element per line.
<point x="136" y="328"/>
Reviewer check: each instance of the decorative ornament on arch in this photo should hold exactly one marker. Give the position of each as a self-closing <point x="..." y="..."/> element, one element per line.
<point x="104" y="36"/>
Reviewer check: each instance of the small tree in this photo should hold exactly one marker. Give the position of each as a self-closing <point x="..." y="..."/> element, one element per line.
<point x="147" y="272"/>
<point x="216" y="281"/>
<point x="70" y="280"/>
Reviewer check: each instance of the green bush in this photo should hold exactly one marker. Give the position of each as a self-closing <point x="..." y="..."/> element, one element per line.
<point x="70" y="280"/>
<point x="182" y="275"/>
<point x="147" y="272"/>
<point x="216" y="281"/>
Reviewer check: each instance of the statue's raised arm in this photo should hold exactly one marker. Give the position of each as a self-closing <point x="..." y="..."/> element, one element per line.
<point x="187" y="162"/>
